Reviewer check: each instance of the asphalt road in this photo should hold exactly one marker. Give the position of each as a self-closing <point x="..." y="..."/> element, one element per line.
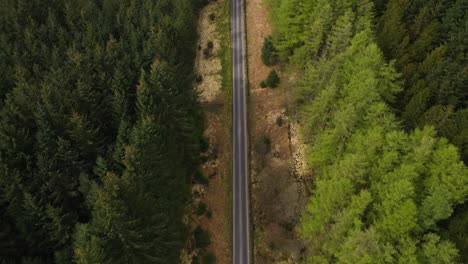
<point x="240" y="182"/>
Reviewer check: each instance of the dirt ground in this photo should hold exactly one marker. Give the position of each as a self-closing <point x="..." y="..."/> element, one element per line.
<point x="278" y="175"/>
<point x="216" y="158"/>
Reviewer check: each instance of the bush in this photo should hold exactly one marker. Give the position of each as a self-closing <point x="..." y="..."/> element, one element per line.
<point x="209" y="48"/>
<point x="207" y="53"/>
<point x="263" y="84"/>
<point x="195" y="260"/>
<point x="201" y="209"/>
<point x="279" y="121"/>
<point x="209" y="214"/>
<point x="209" y="258"/>
<point x="200" y="3"/>
<point x="203" y="144"/>
<point x="272" y="80"/>
<point x="269" y="56"/>
<point x="199" y="78"/>
<point x="263" y="145"/>
<point x="212" y="17"/>
<point x="200" y="178"/>
<point x="202" y="237"/>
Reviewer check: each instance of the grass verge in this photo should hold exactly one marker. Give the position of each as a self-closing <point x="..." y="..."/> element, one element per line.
<point x="225" y="56"/>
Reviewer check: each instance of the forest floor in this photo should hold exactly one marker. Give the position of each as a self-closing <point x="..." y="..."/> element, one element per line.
<point x="215" y="100"/>
<point x="278" y="174"/>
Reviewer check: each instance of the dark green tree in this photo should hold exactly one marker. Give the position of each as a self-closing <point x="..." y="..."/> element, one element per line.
<point x="269" y="56"/>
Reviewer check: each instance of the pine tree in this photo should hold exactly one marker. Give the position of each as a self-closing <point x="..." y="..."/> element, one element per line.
<point x="67" y="118"/>
<point x="341" y="34"/>
<point x="268" y="52"/>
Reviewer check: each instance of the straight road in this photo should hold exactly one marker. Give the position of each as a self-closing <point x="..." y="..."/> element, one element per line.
<point x="240" y="187"/>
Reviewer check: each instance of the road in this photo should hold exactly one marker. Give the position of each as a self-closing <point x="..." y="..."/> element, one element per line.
<point x="240" y="182"/>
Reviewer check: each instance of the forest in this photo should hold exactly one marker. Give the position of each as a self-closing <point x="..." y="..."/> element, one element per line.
<point x="99" y="129"/>
<point x="383" y="94"/>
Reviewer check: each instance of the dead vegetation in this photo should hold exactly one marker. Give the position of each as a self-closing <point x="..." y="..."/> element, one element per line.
<point x="209" y="218"/>
<point x="278" y="173"/>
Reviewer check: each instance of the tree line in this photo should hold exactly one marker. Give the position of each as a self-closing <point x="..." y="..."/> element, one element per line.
<point x="385" y="188"/>
<point x="99" y="129"/>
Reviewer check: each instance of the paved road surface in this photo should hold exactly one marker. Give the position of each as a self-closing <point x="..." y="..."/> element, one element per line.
<point x="240" y="187"/>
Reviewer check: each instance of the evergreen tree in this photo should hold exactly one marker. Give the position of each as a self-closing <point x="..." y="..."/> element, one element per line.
<point x="70" y="115"/>
<point x="380" y="193"/>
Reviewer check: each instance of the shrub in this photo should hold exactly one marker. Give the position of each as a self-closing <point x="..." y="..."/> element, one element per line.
<point x="195" y="260"/>
<point x="209" y="214"/>
<point x="207" y="53"/>
<point x="201" y="208"/>
<point x="209" y="258"/>
<point x="263" y="84"/>
<point x="202" y="237"/>
<point x="279" y="121"/>
<point x="200" y="178"/>
<point x="203" y="144"/>
<point x="272" y="80"/>
<point x="263" y="145"/>
<point x="200" y="3"/>
<point x="212" y="17"/>
<point x="199" y="78"/>
<point x="269" y="56"/>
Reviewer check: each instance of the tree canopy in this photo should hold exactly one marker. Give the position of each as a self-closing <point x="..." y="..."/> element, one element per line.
<point x="382" y="190"/>
<point x="99" y="129"/>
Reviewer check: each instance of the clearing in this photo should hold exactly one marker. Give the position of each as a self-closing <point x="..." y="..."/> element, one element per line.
<point x="278" y="173"/>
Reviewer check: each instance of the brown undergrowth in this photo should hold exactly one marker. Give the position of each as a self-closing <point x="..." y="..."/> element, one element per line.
<point x="212" y="64"/>
<point x="277" y="172"/>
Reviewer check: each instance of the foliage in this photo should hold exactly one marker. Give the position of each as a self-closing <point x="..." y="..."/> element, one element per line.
<point x="97" y="115"/>
<point x="212" y="17"/>
<point x="428" y="41"/>
<point x="272" y="80"/>
<point x="269" y="56"/>
<point x="263" y="145"/>
<point x="202" y="237"/>
<point x="209" y="214"/>
<point x="207" y="52"/>
<point x="200" y="178"/>
<point x="198" y="78"/>
<point x="209" y="258"/>
<point x="380" y="192"/>
<point x="279" y="121"/>
<point x="456" y="229"/>
<point x="204" y="145"/>
<point x="201" y="209"/>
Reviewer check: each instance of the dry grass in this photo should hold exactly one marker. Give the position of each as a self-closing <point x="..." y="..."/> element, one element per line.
<point x="216" y="104"/>
<point x="278" y="190"/>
